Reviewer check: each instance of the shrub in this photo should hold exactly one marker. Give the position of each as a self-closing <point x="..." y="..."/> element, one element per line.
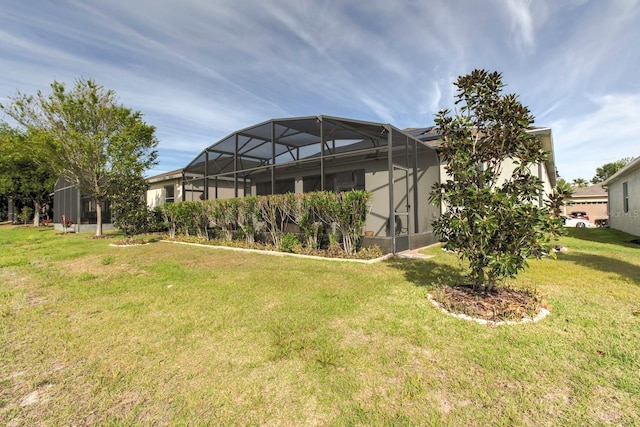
<point x="289" y="243"/>
<point x="342" y="213"/>
<point x="157" y="221"/>
<point x="347" y="212"/>
<point x="128" y="204"/>
<point x="25" y="214"/>
<point x="248" y="217"/>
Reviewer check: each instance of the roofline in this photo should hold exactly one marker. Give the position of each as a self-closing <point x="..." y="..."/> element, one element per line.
<point x="174" y="174"/>
<point x="616" y="176"/>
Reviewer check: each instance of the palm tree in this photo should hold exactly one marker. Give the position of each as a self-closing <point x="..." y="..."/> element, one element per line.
<point x="580" y="183"/>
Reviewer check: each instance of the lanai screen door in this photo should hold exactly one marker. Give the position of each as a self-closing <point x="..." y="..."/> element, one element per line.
<point x="401" y="207"/>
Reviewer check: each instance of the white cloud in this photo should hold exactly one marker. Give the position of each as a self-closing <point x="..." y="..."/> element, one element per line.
<point x="521" y="22"/>
<point x="602" y="136"/>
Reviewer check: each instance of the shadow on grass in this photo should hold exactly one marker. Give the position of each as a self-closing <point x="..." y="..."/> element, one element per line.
<point x="427" y="273"/>
<point x="604" y="264"/>
<point x="603" y="235"/>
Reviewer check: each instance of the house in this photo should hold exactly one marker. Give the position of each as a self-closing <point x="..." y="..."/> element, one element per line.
<point x="304" y="154"/>
<point x="546" y="171"/>
<point x="164" y="188"/>
<point x="624" y="198"/>
<point x="68" y="202"/>
<point x="592" y="200"/>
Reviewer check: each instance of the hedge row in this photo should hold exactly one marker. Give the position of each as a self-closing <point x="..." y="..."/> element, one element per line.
<point x="338" y="217"/>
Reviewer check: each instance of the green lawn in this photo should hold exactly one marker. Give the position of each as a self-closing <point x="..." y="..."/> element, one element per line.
<point x="168" y="334"/>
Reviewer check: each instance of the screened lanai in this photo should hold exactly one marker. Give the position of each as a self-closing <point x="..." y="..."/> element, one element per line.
<point x="314" y="153"/>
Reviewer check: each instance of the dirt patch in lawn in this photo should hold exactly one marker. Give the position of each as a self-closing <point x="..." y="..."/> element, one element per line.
<point x="502" y="304"/>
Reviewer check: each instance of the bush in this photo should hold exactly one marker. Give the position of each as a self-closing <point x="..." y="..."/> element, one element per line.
<point x="289" y="243"/>
<point x="342" y="213"/>
<point x="157" y="222"/>
<point x="128" y="205"/>
<point x="25" y="214"/>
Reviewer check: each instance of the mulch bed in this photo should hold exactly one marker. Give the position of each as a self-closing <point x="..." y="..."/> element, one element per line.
<point x="501" y="304"/>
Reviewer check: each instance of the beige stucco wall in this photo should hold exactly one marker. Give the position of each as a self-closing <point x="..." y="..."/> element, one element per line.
<point x="156" y="194"/>
<point x="628" y="221"/>
<point x="508" y="166"/>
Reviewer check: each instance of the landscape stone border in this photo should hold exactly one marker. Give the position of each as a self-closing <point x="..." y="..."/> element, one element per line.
<point x="541" y="315"/>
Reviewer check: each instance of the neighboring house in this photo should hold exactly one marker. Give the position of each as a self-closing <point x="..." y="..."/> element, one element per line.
<point x="624" y="198"/>
<point x="164" y="188"/>
<point x="591" y="199"/>
<point x="70" y="203"/>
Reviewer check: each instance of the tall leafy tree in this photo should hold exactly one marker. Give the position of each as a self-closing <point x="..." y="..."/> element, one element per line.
<point x="608" y="169"/>
<point x="491" y="220"/>
<point x="87" y="134"/>
<point x="24" y="177"/>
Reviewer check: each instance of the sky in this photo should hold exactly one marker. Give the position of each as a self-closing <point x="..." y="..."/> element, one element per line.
<point x="198" y="70"/>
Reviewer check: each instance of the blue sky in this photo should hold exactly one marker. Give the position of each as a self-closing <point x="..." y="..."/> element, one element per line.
<point x="201" y="69"/>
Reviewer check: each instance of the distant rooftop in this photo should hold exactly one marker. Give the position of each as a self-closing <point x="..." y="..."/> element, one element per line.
<point x="590" y="191"/>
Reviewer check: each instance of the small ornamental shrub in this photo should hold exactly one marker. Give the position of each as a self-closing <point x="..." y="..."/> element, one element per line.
<point x="289" y="243"/>
<point x="25" y="214"/>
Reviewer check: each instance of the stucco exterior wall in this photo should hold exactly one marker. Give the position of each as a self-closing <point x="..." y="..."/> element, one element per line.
<point x="629" y="220"/>
<point x="508" y="166"/>
<point x="156" y="193"/>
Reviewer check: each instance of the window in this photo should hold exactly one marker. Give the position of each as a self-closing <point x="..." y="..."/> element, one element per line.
<point x="282" y="186"/>
<point x="169" y="193"/>
<point x="311" y="183"/>
<point x="339" y="181"/>
<point x="625" y="196"/>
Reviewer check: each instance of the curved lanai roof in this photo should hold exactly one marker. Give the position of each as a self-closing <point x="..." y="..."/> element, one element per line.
<point x="297" y="139"/>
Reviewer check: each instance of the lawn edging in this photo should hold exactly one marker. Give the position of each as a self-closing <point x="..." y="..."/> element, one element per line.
<point x="276" y="253"/>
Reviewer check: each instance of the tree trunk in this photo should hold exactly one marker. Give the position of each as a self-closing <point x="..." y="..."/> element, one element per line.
<point x="98" y="218"/>
<point x="37" y="207"/>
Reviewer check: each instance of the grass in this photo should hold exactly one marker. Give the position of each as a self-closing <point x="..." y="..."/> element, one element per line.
<point x="163" y="334"/>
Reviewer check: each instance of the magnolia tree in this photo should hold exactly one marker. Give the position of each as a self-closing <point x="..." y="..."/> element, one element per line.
<point x="492" y="218"/>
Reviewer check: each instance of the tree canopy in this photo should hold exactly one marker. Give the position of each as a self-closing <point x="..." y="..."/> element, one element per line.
<point x="608" y="169"/>
<point x="493" y="218"/>
<point x="87" y="135"/>
<point x="22" y="178"/>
